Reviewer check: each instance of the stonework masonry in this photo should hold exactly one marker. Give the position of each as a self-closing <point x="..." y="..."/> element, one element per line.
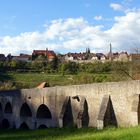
<point x="91" y="105"/>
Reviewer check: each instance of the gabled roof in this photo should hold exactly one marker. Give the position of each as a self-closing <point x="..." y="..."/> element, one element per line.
<point x="49" y="53"/>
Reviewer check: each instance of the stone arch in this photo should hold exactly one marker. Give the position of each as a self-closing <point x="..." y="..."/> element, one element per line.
<point x="110" y="117"/>
<point x="24" y="126"/>
<point x="8" y="108"/>
<point x="5" y="124"/>
<point x="42" y="126"/>
<point x="83" y="116"/>
<point x="1" y="110"/>
<point x="25" y="110"/>
<point x="106" y="115"/>
<point x="0" y="107"/>
<point x="66" y="116"/>
<point x="136" y="107"/>
<point x="139" y="111"/>
<point x="43" y="112"/>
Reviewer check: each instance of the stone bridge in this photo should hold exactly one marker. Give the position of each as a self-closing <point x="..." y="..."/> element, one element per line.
<point x="91" y="105"/>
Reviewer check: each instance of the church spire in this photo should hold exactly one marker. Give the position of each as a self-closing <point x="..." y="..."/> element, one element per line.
<point x="110" y="53"/>
<point x="110" y="49"/>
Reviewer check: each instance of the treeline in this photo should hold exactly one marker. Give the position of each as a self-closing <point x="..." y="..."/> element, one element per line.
<point x="63" y="73"/>
<point x="55" y="66"/>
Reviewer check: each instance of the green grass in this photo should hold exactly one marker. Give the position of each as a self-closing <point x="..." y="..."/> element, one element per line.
<point x="30" y="80"/>
<point x="72" y="134"/>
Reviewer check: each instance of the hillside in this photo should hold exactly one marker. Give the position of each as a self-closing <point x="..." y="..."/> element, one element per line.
<point x="16" y="80"/>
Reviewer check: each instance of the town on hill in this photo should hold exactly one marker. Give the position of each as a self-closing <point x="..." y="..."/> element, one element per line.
<point x="29" y="70"/>
<point x="80" y="57"/>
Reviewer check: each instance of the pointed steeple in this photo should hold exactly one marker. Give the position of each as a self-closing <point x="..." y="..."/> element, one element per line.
<point x="110" y="55"/>
<point x="110" y="49"/>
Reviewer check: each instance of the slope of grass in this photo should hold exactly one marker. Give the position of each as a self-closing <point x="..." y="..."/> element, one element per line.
<point x="30" y="80"/>
<point x="72" y="134"/>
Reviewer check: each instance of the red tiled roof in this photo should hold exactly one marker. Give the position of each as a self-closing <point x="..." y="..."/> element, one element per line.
<point x="49" y="53"/>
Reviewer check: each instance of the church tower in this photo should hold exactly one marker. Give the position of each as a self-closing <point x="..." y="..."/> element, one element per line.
<point x="110" y="49"/>
<point x="110" y="54"/>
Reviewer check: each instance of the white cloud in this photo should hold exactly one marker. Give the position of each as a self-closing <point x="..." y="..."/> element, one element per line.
<point x="125" y="32"/>
<point x="116" y="6"/>
<point x="98" y="17"/>
<point x="77" y="34"/>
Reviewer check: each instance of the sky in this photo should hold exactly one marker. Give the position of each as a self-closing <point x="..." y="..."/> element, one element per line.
<point x="69" y="25"/>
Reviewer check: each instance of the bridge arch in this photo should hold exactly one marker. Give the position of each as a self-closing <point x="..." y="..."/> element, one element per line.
<point x="24" y="126"/>
<point x="8" y="108"/>
<point x="42" y="126"/>
<point x="0" y="107"/>
<point x="25" y="110"/>
<point x="43" y="112"/>
<point x="136" y="107"/>
<point x="85" y="115"/>
<point x="139" y="111"/>
<point x="106" y="115"/>
<point x="109" y="116"/>
<point x="5" y="124"/>
<point x="66" y="114"/>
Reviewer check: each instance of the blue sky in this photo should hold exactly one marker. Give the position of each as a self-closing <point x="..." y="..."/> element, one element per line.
<point x="35" y="21"/>
<point x="29" y="15"/>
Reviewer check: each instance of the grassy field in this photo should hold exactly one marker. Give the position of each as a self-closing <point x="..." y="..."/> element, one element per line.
<point x="30" y="80"/>
<point x="72" y="134"/>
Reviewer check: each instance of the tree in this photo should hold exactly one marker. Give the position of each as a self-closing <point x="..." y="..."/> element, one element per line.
<point x="52" y="66"/>
<point x="69" y="68"/>
<point x="122" y="68"/>
<point x="14" y="64"/>
<point x="39" y="63"/>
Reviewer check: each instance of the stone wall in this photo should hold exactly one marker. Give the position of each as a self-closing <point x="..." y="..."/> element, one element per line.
<point x="92" y="105"/>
